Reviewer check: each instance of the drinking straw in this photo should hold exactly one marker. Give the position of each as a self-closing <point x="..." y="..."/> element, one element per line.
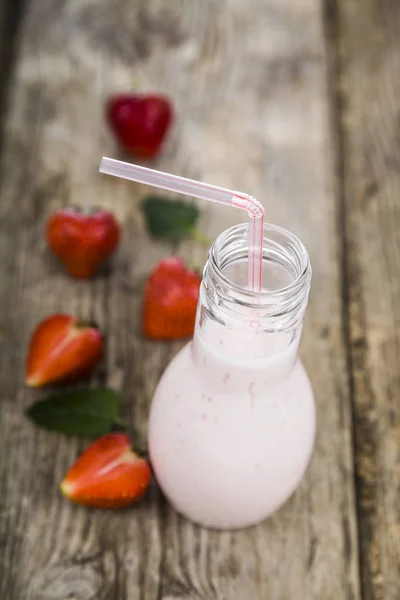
<point x="204" y="191"/>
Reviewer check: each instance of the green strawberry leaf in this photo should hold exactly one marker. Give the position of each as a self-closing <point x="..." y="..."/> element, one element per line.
<point x="88" y="413"/>
<point x="169" y="219"/>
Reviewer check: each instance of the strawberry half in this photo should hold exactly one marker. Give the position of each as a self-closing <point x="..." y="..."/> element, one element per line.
<point x="82" y="240"/>
<point x="108" y="474"/>
<point x="170" y="301"/>
<point x="60" y="349"/>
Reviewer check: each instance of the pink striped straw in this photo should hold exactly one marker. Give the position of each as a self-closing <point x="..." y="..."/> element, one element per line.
<point x="204" y="191"/>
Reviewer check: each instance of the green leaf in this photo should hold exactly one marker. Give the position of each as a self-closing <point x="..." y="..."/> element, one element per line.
<point x="88" y="413"/>
<point x="169" y="219"/>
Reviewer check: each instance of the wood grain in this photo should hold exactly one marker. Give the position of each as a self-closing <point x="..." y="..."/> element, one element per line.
<point x="10" y="18"/>
<point x="370" y="87"/>
<point x="249" y="84"/>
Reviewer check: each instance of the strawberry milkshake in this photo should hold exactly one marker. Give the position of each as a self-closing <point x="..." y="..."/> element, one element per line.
<point x="232" y="422"/>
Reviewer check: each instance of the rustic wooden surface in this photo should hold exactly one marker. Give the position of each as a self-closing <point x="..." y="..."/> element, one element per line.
<point x="369" y="84"/>
<point x="274" y="98"/>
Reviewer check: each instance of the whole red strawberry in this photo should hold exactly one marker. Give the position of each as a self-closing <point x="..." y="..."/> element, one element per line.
<point x="61" y="349"/>
<point x="170" y="301"/>
<point x="108" y="474"/>
<point x="140" y="122"/>
<point x="82" y="240"/>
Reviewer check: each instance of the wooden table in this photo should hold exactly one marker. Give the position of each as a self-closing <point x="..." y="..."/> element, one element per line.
<point x="296" y="102"/>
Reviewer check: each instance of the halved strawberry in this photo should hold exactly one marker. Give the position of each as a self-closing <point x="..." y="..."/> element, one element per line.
<point x="108" y="474"/>
<point x="61" y="348"/>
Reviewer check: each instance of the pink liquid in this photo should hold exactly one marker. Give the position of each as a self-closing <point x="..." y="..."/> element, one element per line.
<point x="230" y="437"/>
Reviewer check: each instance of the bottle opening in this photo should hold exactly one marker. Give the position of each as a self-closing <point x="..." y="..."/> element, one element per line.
<point x="285" y="263"/>
<point x="275" y="276"/>
<point x="281" y="304"/>
<point x="233" y="319"/>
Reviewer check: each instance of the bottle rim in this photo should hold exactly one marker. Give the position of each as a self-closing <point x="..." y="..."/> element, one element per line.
<point x="280" y="246"/>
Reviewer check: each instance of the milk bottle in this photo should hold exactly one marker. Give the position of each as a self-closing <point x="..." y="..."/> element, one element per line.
<point x="232" y="421"/>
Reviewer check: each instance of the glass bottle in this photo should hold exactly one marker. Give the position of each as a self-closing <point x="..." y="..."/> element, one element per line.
<point x="232" y="422"/>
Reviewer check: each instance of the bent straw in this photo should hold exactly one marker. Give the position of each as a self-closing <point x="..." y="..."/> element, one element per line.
<point x="204" y="191"/>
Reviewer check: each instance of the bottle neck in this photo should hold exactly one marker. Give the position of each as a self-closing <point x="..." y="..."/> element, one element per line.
<point x="239" y="330"/>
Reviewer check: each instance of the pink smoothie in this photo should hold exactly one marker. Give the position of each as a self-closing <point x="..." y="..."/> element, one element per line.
<point x="231" y="436"/>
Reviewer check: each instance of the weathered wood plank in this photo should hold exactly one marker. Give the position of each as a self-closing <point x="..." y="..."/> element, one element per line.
<point x="370" y="76"/>
<point x="249" y="84"/>
<point x="10" y="18"/>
